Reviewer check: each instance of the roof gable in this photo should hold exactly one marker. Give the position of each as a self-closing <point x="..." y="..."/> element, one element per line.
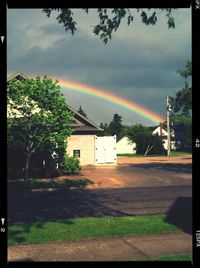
<point x="157" y="130"/>
<point x="82" y="123"/>
<point x="18" y="76"/>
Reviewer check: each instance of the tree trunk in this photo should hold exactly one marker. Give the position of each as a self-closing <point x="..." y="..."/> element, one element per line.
<point x="28" y="155"/>
<point x="27" y="167"/>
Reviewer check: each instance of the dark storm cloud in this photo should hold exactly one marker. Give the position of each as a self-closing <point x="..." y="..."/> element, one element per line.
<point x="107" y="66"/>
<point x="142" y="67"/>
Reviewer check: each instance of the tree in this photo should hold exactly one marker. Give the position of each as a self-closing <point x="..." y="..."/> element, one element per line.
<point x="109" y="19"/>
<point x="80" y="111"/>
<point x="182" y="126"/>
<point x="115" y="126"/>
<point x="38" y="117"/>
<point x="182" y="110"/>
<point x="145" y="140"/>
<point x="105" y="127"/>
<point x="124" y="130"/>
<point x="187" y="71"/>
<point x="182" y="103"/>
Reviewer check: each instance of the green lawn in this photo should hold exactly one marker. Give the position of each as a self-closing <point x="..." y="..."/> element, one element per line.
<point x="127" y="155"/>
<point x="178" y="257"/>
<point x="37" y="184"/>
<point x="84" y="228"/>
<point x="176" y="153"/>
<point x="173" y="153"/>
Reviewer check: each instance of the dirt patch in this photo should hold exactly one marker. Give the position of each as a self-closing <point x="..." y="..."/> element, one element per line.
<point x="139" y="172"/>
<point x="172" y="159"/>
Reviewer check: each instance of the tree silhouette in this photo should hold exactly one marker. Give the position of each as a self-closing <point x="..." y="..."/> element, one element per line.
<point x="110" y="19"/>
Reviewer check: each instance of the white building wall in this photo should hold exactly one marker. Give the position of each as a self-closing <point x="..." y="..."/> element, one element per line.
<point x="93" y="150"/>
<point x="86" y="145"/>
<point x="125" y="147"/>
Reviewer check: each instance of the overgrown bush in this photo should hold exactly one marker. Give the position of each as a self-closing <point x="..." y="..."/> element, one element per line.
<point x="157" y="144"/>
<point x="144" y="139"/>
<point x="70" y="165"/>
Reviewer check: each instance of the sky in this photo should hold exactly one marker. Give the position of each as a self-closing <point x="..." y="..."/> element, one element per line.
<point x="140" y="63"/>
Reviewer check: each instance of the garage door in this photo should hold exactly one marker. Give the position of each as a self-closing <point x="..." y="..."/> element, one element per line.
<point x="105" y="150"/>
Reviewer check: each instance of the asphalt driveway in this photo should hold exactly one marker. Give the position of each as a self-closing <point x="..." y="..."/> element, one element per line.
<point x="139" y="172"/>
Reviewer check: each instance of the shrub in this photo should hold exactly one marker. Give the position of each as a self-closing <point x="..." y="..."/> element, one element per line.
<point x="158" y="147"/>
<point x="70" y="165"/>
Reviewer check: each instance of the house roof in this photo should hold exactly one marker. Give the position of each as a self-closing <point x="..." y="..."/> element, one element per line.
<point x="79" y="123"/>
<point x="18" y="76"/>
<point x="152" y="128"/>
<point x="82" y="123"/>
<point x="165" y="134"/>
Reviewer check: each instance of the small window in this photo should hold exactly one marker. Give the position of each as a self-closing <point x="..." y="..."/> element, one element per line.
<point x="77" y="153"/>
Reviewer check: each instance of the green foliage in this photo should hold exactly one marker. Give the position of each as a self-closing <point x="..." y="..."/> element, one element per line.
<point x="70" y="165"/>
<point x="144" y="139"/>
<point x="38" y="117"/>
<point x="183" y="123"/>
<point x="140" y="135"/>
<point x="182" y="103"/>
<point x="110" y="19"/>
<point x="157" y="144"/>
<point x="105" y="127"/>
<point x="187" y="71"/>
<point x="181" y="115"/>
<point x="80" y="111"/>
<point x="115" y="126"/>
<point x="124" y="130"/>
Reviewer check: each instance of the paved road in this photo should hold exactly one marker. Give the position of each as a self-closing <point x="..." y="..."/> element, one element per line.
<point x="29" y="206"/>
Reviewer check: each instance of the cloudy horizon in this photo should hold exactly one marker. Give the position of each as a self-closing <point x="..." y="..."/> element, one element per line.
<point x="140" y="63"/>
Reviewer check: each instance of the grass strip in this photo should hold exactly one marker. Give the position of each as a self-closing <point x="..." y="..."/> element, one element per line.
<point x="173" y="153"/>
<point x="177" y="257"/>
<point x="85" y="228"/>
<point x="39" y="184"/>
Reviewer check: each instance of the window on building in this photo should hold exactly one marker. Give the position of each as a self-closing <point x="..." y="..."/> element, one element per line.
<point x="77" y="153"/>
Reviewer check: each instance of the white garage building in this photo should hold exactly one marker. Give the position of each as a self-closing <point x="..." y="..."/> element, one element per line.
<point x="86" y="145"/>
<point x="84" y="142"/>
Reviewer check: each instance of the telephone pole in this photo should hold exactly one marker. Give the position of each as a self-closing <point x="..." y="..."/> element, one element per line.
<point x="168" y="128"/>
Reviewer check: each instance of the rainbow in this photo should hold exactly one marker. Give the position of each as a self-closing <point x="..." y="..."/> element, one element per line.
<point x="104" y="95"/>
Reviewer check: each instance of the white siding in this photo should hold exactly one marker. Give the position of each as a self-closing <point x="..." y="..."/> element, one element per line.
<point x="105" y="150"/>
<point x="86" y="145"/>
<point x="157" y="131"/>
<point x="125" y="147"/>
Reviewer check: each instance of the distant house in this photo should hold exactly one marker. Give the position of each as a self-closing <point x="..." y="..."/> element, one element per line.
<point x="124" y="146"/>
<point x="162" y="132"/>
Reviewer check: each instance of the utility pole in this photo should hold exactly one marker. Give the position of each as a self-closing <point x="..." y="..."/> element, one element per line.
<point x="168" y="128"/>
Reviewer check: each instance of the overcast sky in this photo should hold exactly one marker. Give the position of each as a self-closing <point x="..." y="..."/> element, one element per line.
<point x="139" y="63"/>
